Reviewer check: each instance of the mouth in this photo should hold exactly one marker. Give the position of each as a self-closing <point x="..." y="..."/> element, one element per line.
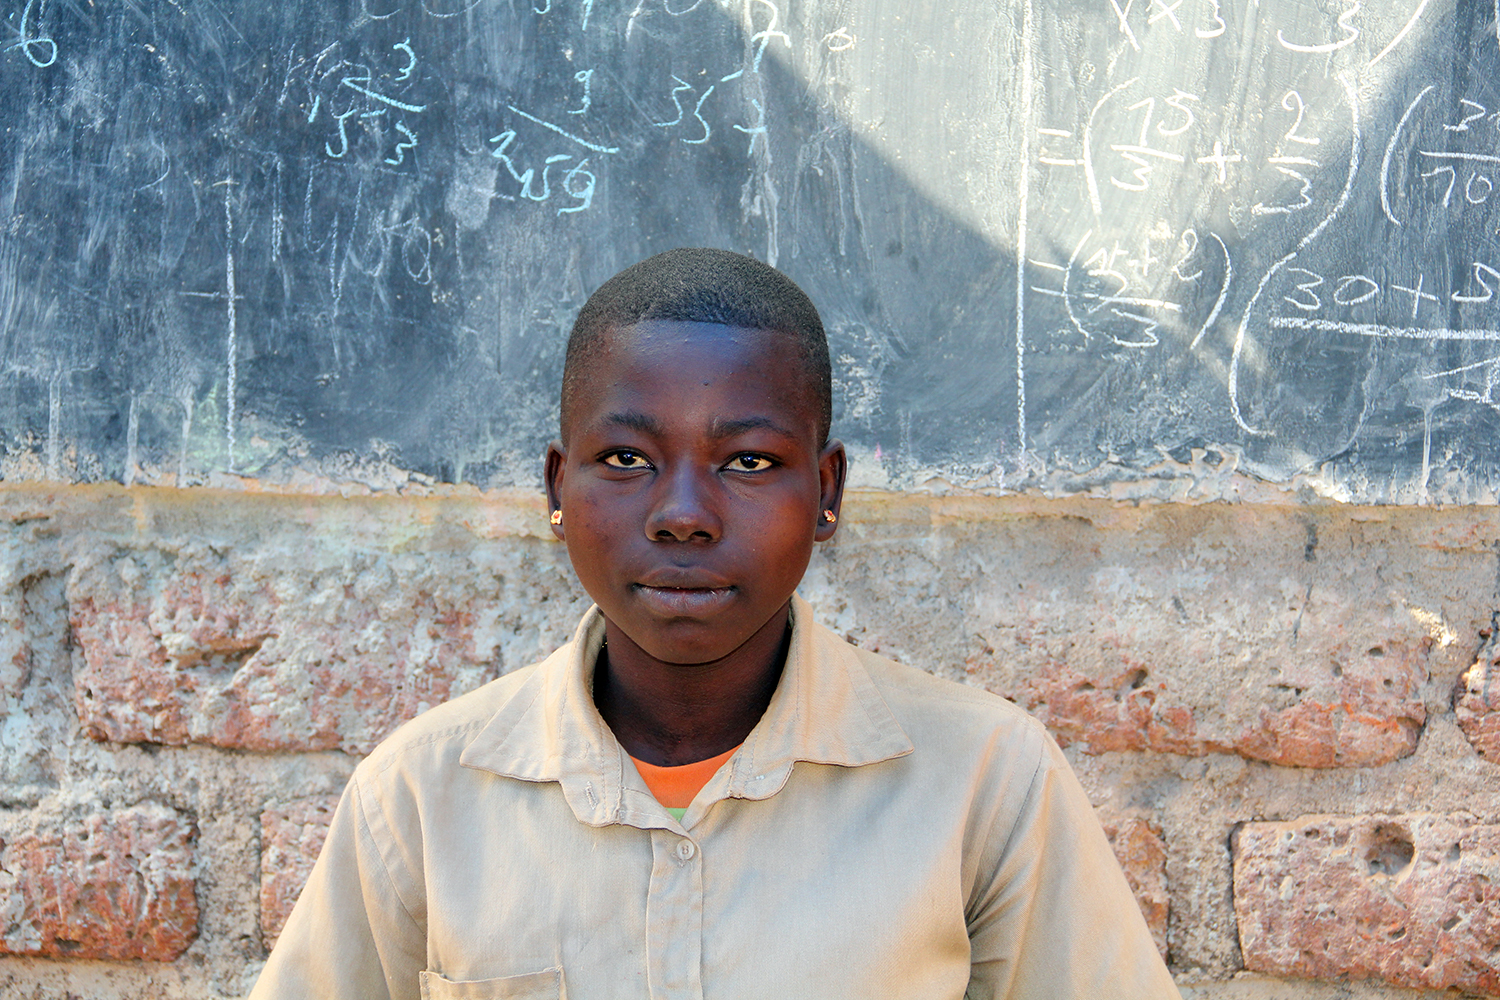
<point x="681" y="601"/>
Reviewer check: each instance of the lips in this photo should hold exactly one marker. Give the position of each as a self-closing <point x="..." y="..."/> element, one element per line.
<point x="677" y="593"/>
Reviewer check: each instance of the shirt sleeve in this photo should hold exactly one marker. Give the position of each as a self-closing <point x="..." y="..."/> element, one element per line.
<point x="1052" y="917"/>
<point x="350" y="937"/>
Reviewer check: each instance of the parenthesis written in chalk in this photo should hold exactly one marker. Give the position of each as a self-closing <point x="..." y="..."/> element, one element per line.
<point x="1390" y="150"/>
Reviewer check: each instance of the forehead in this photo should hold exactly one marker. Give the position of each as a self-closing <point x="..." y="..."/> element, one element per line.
<point x="695" y="370"/>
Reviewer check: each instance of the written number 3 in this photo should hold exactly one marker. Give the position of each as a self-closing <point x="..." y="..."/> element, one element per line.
<point x="1353" y="289"/>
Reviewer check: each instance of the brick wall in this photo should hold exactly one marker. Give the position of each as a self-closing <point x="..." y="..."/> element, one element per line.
<point x="1288" y="717"/>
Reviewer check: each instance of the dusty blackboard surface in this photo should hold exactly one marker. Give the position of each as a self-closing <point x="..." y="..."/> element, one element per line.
<point x="1069" y="246"/>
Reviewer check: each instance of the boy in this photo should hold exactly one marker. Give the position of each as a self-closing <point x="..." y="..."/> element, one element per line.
<point x="706" y="794"/>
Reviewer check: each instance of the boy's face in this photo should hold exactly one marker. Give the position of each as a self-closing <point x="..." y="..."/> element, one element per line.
<point x="692" y="483"/>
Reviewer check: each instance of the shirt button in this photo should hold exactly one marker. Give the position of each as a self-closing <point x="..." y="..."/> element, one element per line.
<point x="686" y="850"/>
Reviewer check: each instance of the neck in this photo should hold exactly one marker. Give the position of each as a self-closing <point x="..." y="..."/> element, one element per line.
<point x="679" y="713"/>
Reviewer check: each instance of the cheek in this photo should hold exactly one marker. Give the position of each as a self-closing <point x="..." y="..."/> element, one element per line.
<point x="595" y="534"/>
<point x="786" y="540"/>
<point x="587" y="511"/>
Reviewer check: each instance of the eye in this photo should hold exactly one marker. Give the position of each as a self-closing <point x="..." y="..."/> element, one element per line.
<point x="626" y="459"/>
<point x="749" y="462"/>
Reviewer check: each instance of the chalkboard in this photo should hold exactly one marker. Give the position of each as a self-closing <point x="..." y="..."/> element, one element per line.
<point x="1057" y="245"/>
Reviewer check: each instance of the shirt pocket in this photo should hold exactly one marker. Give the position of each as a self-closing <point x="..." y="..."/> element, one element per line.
<point x="545" y="985"/>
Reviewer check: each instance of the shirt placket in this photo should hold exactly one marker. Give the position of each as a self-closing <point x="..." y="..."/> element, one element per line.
<point x="674" y="918"/>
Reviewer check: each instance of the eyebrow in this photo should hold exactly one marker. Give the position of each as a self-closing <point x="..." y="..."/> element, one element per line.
<point x="719" y="430"/>
<point x="635" y="421"/>
<point x="722" y="429"/>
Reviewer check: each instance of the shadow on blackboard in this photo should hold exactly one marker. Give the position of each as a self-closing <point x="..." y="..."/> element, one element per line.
<point x="309" y="242"/>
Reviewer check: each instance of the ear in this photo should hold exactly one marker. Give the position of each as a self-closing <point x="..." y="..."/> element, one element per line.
<point x="553" y="470"/>
<point x="833" y="467"/>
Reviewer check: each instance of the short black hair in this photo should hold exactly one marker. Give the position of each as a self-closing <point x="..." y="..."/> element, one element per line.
<point x="703" y="285"/>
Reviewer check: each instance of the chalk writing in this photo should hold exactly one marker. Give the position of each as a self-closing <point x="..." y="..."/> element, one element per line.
<point x="756" y="130"/>
<point x="1241" y="333"/>
<point x="1165" y="135"/>
<point x="576" y="181"/>
<point x="449" y="8"/>
<point x="562" y="132"/>
<point x="682" y="86"/>
<point x="1176" y="101"/>
<point x="1438" y="171"/>
<point x="1463" y="124"/>
<point x="760" y="39"/>
<point x="1286" y="164"/>
<point x="1407" y="297"/>
<point x="1470" y="188"/>
<point x="1122" y="16"/>
<point x="585" y="77"/>
<point x="405" y="46"/>
<point x="365" y="11"/>
<point x="1383" y="332"/>
<point x="839" y="40"/>
<point x="1221" y="159"/>
<point x="1402" y="33"/>
<point x="1417" y="295"/>
<point x="1480" y="270"/>
<point x="1174" y="13"/>
<point x="1390" y="149"/>
<point x="1455" y="178"/>
<point x="416" y="248"/>
<point x="1118" y="293"/>
<point x="1292" y="101"/>
<point x="40" y="50"/>
<point x="360" y="85"/>
<point x="343" y="136"/>
<point x="231" y="349"/>
<point x="1223" y="295"/>
<point x="1350" y="33"/>
<point x="376" y="98"/>
<point x="1354" y="289"/>
<point x="1051" y="159"/>
<point x="1308" y="301"/>
<point x="1161" y="9"/>
<point x="1218" y="27"/>
<point x="1090" y="178"/>
<point x="1491" y="375"/>
<point x="399" y="156"/>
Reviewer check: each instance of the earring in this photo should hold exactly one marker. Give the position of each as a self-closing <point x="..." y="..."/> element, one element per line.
<point x="556" y="517"/>
<point x="830" y="516"/>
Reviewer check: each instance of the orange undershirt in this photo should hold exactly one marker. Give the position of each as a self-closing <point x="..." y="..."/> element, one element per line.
<point x="676" y="787"/>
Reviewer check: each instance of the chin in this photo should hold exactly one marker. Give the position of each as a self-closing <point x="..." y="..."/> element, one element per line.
<point x="688" y="654"/>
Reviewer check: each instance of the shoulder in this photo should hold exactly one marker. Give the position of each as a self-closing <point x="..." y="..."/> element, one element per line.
<point x="959" y="721"/>
<point x="910" y="690"/>
<point x="436" y="738"/>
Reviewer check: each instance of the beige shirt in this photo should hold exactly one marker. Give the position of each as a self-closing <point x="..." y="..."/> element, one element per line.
<point x="880" y="834"/>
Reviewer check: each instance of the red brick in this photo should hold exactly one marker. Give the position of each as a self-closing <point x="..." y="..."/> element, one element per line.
<point x="291" y="836"/>
<point x="1134" y="683"/>
<point x="1142" y="853"/>
<point x="104" y="885"/>
<point x="157" y="653"/>
<point x="1117" y="710"/>
<point x="15" y="657"/>
<point x="1409" y="899"/>
<point x="1477" y="706"/>
<point x="209" y="653"/>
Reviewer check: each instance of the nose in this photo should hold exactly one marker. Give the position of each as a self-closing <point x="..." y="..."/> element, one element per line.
<point x="685" y="508"/>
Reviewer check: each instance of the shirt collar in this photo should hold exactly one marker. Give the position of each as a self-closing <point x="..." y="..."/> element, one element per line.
<point x="825" y="710"/>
